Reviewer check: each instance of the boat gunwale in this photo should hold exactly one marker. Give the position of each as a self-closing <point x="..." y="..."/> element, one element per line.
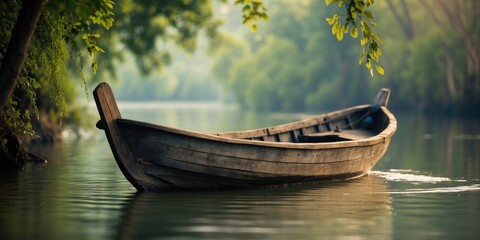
<point x="379" y="138"/>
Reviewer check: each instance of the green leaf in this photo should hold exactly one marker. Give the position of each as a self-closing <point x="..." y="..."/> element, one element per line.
<point x="368" y="14"/>
<point x="94" y="67"/>
<point x="374" y="56"/>
<point x="364" y="41"/>
<point x="380" y="70"/>
<point x="339" y="35"/>
<point x="354" y="32"/>
<point x="361" y="58"/>
<point x="330" y="21"/>
<point x="368" y="64"/>
<point x="353" y="13"/>
<point x="335" y="27"/>
<point x="379" y="52"/>
<point x="264" y="16"/>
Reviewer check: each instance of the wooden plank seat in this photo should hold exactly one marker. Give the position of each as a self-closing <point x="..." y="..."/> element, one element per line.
<point x="337" y="136"/>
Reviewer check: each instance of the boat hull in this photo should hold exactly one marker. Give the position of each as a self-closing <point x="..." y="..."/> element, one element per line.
<point x="188" y="162"/>
<point x="160" y="158"/>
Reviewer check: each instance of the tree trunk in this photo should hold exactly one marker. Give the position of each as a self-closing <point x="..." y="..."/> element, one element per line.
<point x="12" y="151"/>
<point x="16" y="53"/>
<point x="405" y="20"/>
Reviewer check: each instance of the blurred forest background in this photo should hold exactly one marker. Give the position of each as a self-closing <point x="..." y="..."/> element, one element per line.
<point x="201" y="51"/>
<point x="431" y="56"/>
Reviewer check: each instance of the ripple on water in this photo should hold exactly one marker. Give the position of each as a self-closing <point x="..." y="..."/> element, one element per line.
<point x="430" y="184"/>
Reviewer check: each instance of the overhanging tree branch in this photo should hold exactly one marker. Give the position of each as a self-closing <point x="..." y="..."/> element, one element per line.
<point x="16" y="53"/>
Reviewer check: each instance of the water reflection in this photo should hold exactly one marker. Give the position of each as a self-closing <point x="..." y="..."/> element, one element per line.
<point x="76" y="195"/>
<point x="360" y="208"/>
<point x="440" y="145"/>
<point x="81" y="194"/>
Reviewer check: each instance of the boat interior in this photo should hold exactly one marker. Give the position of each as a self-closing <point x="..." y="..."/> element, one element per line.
<point x="347" y="125"/>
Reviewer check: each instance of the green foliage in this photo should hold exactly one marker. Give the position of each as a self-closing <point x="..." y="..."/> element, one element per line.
<point x="279" y="80"/>
<point x="288" y="68"/>
<point x="103" y="15"/>
<point x="147" y="29"/>
<point x="430" y="46"/>
<point x="253" y="11"/>
<point x="184" y="79"/>
<point x="43" y="86"/>
<point x="431" y="62"/>
<point x="357" y="16"/>
<point x="83" y="25"/>
<point x="16" y="115"/>
<point x="18" y="119"/>
<point x="81" y="20"/>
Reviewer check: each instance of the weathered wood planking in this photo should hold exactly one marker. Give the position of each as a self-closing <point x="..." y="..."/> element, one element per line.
<point x="109" y="114"/>
<point x="154" y="157"/>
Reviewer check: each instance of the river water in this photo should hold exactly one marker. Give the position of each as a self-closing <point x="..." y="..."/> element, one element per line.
<point x="427" y="186"/>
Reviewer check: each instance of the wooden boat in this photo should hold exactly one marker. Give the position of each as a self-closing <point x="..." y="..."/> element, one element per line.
<point x="335" y="146"/>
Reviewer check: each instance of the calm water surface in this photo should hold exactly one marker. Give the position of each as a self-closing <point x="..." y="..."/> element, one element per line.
<point x="427" y="186"/>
